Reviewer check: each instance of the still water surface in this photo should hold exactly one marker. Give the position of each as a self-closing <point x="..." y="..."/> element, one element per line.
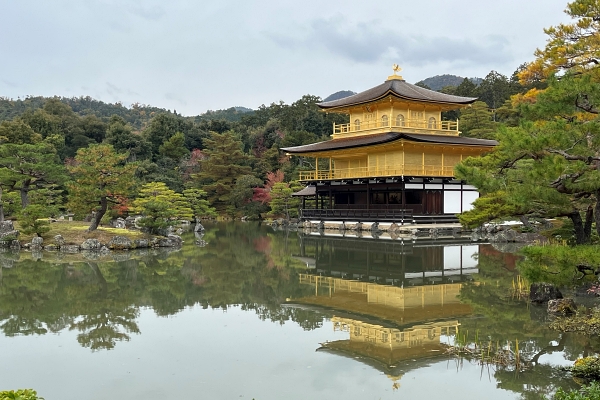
<point x="259" y="314"/>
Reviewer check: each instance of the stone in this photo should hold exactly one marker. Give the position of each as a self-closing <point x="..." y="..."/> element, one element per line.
<point x="543" y="292"/>
<point x="51" y="247"/>
<point x="6" y="226"/>
<point x="37" y="243"/>
<point x="104" y="250"/>
<point x="9" y="235"/>
<point x="15" y="245"/>
<point x="176" y="239"/>
<point x="59" y="240"/>
<point x="69" y="248"/>
<point x="130" y="222"/>
<point x="91" y="244"/>
<point x="141" y="243"/>
<point x="562" y="306"/>
<point x="179" y="231"/>
<point x="120" y="243"/>
<point x="119" y="223"/>
<point x="375" y="227"/>
<point x="198" y="227"/>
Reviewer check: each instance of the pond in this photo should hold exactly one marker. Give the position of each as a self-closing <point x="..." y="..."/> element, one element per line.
<point x="253" y="313"/>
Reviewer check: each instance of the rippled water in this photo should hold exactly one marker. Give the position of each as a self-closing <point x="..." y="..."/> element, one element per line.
<point x="259" y="314"/>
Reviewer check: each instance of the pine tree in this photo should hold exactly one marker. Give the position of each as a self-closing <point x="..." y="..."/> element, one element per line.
<point x="224" y="161"/>
<point x="100" y="177"/>
<point x="161" y="207"/>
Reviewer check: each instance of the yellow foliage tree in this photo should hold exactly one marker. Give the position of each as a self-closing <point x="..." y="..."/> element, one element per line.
<point x="574" y="46"/>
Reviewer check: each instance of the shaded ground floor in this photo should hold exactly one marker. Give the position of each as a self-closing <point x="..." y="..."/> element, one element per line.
<point x="402" y="200"/>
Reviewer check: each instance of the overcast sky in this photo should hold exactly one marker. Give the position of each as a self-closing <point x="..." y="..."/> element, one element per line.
<point x="192" y="56"/>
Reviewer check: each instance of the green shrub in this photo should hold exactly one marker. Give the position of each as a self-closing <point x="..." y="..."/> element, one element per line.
<point x="23" y="394"/>
<point x="587" y="368"/>
<point x="34" y="219"/>
<point x="588" y="392"/>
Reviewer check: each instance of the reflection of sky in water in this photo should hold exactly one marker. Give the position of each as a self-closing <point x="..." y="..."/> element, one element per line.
<point x="220" y="355"/>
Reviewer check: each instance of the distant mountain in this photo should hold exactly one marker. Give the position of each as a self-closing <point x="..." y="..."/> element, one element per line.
<point x="339" y="95"/>
<point x="439" y="81"/>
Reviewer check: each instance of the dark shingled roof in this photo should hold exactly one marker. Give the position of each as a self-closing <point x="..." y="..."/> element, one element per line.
<point x="370" y="140"/>
<point x="401" y="89"/>
<point x="307" y="191"/>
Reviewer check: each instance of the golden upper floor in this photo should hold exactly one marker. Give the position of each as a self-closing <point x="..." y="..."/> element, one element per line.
<point x="397" y="106"/>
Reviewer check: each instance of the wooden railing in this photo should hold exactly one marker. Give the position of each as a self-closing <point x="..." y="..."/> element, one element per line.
<point x="440" y="127"/>
<point x="384" y="171"/>
<point x="387" y="214"/>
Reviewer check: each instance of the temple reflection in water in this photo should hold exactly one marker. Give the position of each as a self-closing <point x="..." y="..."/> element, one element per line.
<point x="398" y="302"/>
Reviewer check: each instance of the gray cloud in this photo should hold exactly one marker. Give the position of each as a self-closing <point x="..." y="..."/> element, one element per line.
<point x="368" y="42"/>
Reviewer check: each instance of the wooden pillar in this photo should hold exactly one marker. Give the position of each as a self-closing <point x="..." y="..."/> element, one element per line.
<point x="330" y="170"/>
<point x="316" y="167"/>
<point x="368" y="195"/>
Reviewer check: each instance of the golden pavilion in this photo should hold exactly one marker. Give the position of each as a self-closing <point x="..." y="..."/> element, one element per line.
<point x="394" y="160"/>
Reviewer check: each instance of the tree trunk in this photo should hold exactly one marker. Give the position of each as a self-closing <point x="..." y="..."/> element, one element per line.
<point x="578" y="228"/>
<point x="597" y="212"/>
<point x="1" y="206"/>
<point x="525" y="221"/>
<point x="99" y="214"/>
<point x="589" y="219"/>
<point x="24" y="191"/>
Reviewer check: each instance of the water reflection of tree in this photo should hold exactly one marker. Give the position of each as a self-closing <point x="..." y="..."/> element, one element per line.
<point x="507" y="319"/>
<point x="240" y="265"/>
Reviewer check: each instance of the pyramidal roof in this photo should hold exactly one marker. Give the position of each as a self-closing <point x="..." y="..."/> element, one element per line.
<point x="401" y="89"/>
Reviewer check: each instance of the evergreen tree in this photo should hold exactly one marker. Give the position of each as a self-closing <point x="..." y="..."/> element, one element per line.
<point x="196" y="199"/>
<point x="174" y="148"/>
<point x="18" y="132"/>
<point x="26" y="167"/>
<point x="282" y="201"/>
<point x="101" y="176"/>
<point x="224" y="162"/>
<point x="122" y="138"/>
<point x="160" y="207"/>
<point x="476" y="121"/>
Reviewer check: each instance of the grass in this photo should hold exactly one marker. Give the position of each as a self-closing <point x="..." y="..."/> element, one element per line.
<point x="75" y="232"/>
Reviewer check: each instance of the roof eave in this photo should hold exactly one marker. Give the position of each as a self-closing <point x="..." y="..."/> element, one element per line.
<point x="324" y="107"/>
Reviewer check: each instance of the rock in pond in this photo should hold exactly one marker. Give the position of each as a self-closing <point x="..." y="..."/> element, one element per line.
<point x="543" y="292"/>
<point x="59" y="240"/>
<point x="37" y="243"/>
<point x="562" y="306"/>
<point x="69" y="248"/>
<point x="91" y="244"/>
<point x="120" y="243"/>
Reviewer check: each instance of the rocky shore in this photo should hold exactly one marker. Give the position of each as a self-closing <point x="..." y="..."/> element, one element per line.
<point x="490" y="233"/>
<point x="9" y="240"/>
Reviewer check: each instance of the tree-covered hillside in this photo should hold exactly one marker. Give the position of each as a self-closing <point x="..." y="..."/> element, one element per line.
<point x="137" y="115"/>
<point x="439" y="82"/>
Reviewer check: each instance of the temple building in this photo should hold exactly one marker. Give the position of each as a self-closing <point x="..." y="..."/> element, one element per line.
<point x="394" y="160"/>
